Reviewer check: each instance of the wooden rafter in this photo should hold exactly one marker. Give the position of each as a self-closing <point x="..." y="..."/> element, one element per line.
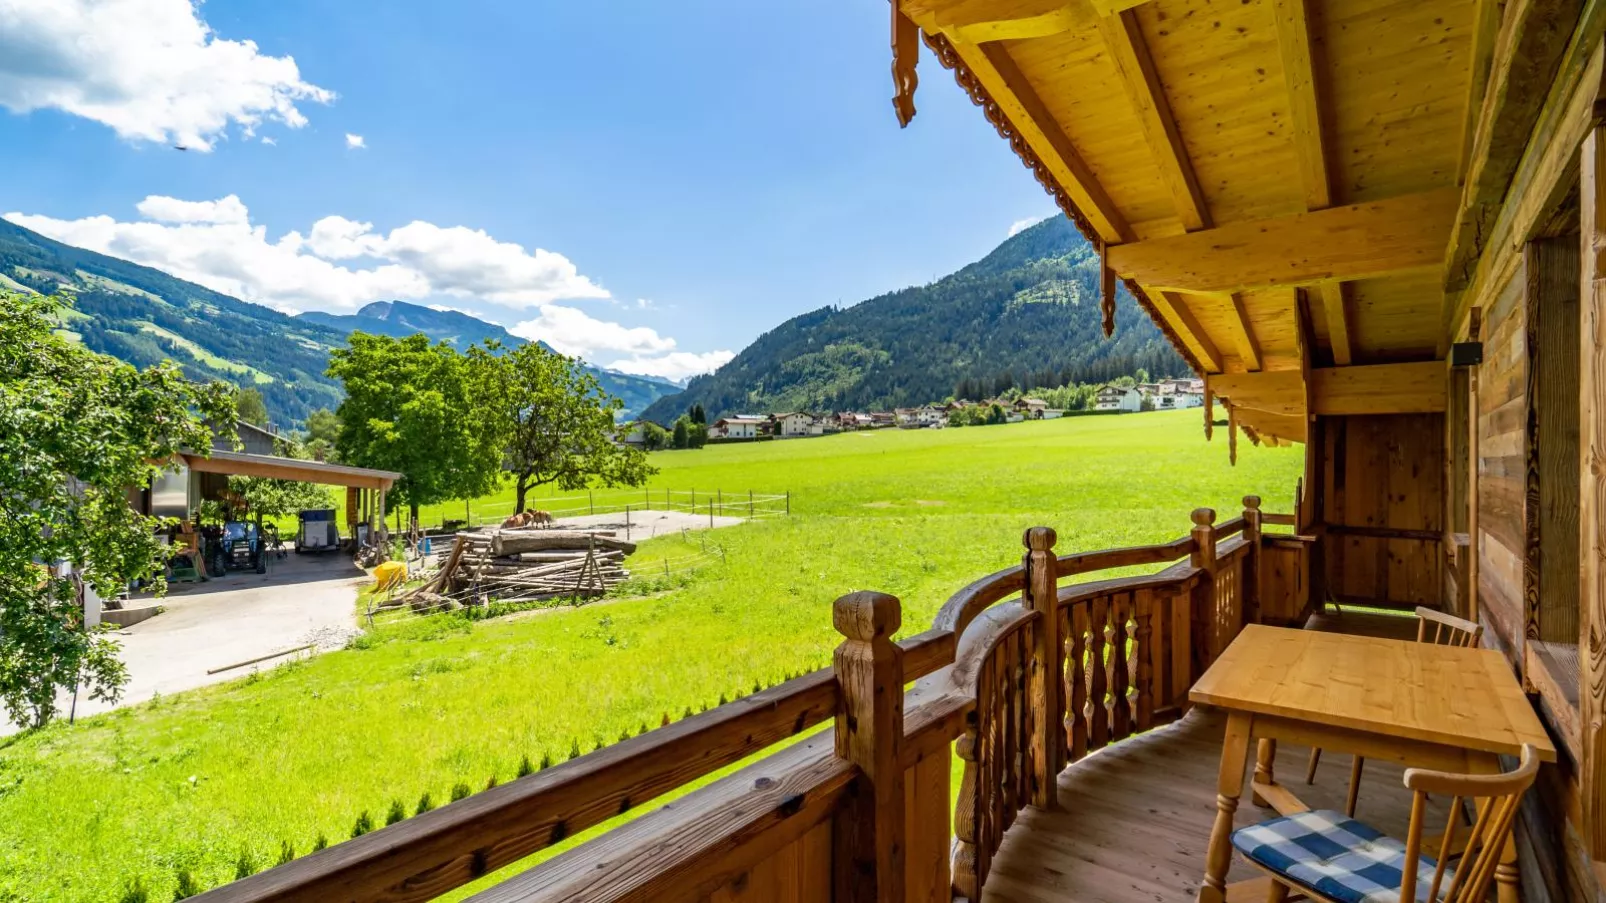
<point x="1377" y="238"/>
<point x="1019" y="104"/>
<point x="1135" y="67"/>
<point x="1111" y="7"/>
<point x="1243" y="331"/>
<point x="1485" y="23"/>
<point x="1173" y="308"/>
<point x="1335" y="306"/>
<point x="1304" y="105"/>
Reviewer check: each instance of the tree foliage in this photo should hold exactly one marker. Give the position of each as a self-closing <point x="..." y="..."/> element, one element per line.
<point x="249" y="407"/>
<point x="422" y="410"/>
<point x="556" y="422"/>
<point x="77" y="431"/>
<point x="265" y="497"/>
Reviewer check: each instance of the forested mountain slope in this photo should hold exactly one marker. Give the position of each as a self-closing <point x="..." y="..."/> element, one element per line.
<point x="143" y="315"/>
<point x="1027" y="314"/>
<point x="401" y="319"/>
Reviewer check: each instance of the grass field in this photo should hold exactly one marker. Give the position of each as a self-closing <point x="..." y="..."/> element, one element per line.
<point x="197" y="781"/>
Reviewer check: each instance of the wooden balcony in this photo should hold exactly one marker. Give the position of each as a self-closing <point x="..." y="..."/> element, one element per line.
<point x="1019" y="677"/>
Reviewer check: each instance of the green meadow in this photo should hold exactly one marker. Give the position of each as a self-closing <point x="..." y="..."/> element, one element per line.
<point x="219" y="780"/>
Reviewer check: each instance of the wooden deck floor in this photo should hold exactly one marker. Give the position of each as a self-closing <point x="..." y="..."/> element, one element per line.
<point x="1135" y="818"/>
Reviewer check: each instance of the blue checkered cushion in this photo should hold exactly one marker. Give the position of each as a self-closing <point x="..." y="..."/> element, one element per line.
<point x="1335" y="856"/>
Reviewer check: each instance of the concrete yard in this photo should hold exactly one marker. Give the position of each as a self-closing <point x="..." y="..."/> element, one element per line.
<point x="645" y="524"/>
<point x="239" y="616"/>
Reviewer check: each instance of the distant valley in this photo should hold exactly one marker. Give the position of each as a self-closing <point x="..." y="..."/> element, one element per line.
<point x="143" y="315"/>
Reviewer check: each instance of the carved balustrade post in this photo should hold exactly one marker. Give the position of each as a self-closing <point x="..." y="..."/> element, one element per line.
<point x="1205" y="616"/>
<point x="868" y="835"/>
<point x="1046" y="679"/>
<point x="967" y="814"/>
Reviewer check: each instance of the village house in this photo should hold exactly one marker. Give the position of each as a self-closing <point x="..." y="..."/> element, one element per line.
<point x="738" y="427"/>
<point x="848" y="420"/>
<point x="1031" y="408"/>
<point x="883" y="419"/>
<point x="1118" y="398"/>
<point x="791" y="425"/>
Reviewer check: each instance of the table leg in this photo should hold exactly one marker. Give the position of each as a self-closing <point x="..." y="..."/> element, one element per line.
<point x="1265" y="758"/>
<point x="1229" y="787"/>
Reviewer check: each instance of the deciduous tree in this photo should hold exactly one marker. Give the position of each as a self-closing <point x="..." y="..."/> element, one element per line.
<point x="77" y="431"/>
<point x="422" y="410"/>
<point x="559" y="424"/>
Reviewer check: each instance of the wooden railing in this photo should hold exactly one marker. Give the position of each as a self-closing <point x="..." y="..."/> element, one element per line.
<point x="1024" y="673"/>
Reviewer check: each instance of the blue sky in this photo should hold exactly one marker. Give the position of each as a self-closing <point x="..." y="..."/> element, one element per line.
<point x="695" y="172"/>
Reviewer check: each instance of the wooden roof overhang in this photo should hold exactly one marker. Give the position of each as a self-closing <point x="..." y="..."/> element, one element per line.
<point x="241" y="464"/>
<point x="1295" y="190"/>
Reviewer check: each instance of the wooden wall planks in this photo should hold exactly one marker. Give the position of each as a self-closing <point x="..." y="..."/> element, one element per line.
<point x="1381" y="473"/>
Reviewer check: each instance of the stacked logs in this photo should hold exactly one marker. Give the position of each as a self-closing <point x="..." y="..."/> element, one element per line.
<point x="524" y="566"/>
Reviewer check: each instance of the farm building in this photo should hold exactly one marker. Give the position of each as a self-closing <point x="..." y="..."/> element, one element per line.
<point x="1375" y="230"/>
<point x="793" y="425"/>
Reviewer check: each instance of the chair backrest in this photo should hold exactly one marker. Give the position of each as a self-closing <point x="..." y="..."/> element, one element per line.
<point x="1495" y="797"/>
<point x="1434" y="626"/>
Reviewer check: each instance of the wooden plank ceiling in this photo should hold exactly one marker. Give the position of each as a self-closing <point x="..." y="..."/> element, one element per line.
<point x="1279" y="178"/>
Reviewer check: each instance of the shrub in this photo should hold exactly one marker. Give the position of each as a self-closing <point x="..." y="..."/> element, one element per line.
<point x="396" y="814"/>
<point x="187" y="885"/>
<point x="365" y="823"/>
<point x="245" y="866"/>
<point x="134" y="891"/>
<point x="321" y="843"/>
<point x="525" y="767"/>
<point x="460" y="791"/>
<point x="287" y="852"/>
<point x="425" y="803"/>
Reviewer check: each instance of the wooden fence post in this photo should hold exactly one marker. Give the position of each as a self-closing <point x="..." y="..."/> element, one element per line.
<point x="1251" y="587"/>
<point x="1047" y="675"/>
<point x="868" y="834"/>
<point x="1204" y="592"/>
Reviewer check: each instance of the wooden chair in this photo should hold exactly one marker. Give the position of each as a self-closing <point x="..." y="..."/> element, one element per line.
<point x="1327" y="856"/>
<point x="1448" y="630"/>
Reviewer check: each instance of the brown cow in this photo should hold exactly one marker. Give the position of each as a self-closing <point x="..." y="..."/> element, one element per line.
<point x="528" y="519"/>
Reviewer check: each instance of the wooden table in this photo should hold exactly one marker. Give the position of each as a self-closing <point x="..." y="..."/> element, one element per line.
<point x="1417" y="704"/>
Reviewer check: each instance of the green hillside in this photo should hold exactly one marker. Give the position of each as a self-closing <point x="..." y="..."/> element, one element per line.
<point x="1027" y="314"/>
<point x="143" y="316"/>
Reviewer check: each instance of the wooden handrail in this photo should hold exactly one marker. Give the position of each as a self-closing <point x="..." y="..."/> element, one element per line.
<point x="963" y="606"/>
<point x="1087" y="562"/>
<point x="429" y="854"/>
<point x="1279" y="520"/>
<point x="1229" y="528"/>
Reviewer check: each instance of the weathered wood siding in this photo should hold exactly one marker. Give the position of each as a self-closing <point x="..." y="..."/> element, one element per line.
<point x="1502" y="412"/>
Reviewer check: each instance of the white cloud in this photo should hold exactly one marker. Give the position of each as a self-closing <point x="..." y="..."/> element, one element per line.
<point x="215" y="244"/>
<point x="1021" y="225"/>
<point x="355" y="141"/>
<point x="152" y="70"/>
<point x="632" y="349"/>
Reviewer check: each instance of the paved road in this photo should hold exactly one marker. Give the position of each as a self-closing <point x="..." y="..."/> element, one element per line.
<point x="302" y="599"/>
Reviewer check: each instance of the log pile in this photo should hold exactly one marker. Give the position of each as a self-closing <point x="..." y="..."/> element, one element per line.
<point x="523" y="566"/>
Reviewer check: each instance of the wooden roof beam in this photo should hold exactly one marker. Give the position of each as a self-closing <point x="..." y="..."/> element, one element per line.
<point x="1173" y="308"/>
<point x="1304" y="106"/>
<point x="1008" y="87"/>
<point x="1243" y="332"/>
<point x="1135" y="67"/>
<point x="1335" y="304"/>
<point x="1420" y="388"/>
<point x="1376" y="238"/>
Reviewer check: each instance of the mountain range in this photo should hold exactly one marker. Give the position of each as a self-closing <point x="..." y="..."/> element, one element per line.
<point x="143" y="315"/>
<point x="1026" y="315"/>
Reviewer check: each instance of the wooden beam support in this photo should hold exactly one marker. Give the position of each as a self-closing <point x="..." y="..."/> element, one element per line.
<point x="977" y="23"/>
<point x="1173" y="308"/>
<point x="1592" y="495"/>
<point x="1135" y="67"/>
<point x="1420" y="388"/>
<point x="997" y="72"/>
<point x="1335" y="304"/>
<point x="1485" y="24"/>
<point x="1377" y="238"/>
<point x="1304" y="107"/>
<point x="1280" y="392"/>
<point x="1273" y="426"/>
<point x="1528" y="51"/>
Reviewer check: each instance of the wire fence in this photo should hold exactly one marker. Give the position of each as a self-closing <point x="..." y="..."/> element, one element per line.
<point x="633" y="506"/>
